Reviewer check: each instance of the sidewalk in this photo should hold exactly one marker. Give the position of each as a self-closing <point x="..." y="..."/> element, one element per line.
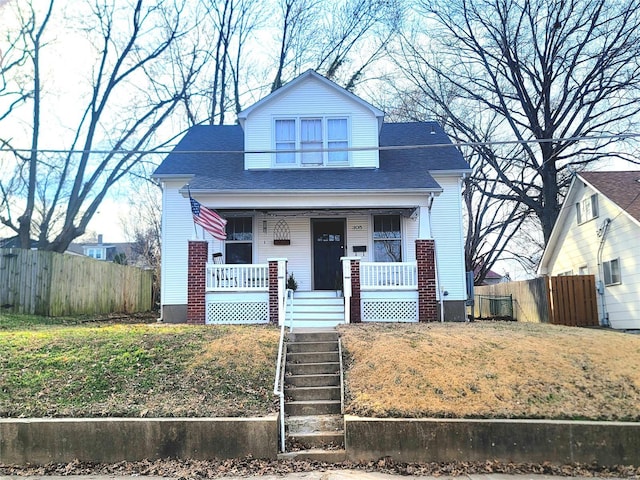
<point x="320" y="475"/>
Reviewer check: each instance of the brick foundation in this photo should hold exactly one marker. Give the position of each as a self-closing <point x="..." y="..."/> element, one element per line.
<point x="197" y="281"/>
<point x="428" y="305"/>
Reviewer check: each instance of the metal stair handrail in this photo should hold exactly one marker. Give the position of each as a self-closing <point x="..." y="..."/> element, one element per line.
<point x="278" y="384"/>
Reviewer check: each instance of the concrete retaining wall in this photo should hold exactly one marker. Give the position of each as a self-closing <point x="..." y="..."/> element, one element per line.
<point x="522" y="441"/>
<point x="41" y="441"/>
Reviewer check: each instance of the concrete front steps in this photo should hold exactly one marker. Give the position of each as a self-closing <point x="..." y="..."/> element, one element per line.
<point x="313" y="405"/>
<point x="317" y="309"/>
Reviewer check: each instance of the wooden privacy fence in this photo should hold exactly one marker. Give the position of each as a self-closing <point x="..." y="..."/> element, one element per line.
<point x="566" y="300"/>
<point x="54" y="284"/>
<point x="572" y="300"/>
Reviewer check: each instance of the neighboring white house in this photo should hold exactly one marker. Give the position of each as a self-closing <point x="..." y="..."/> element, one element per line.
<point x="598" y="233"/>
<point x="312" y="175"/>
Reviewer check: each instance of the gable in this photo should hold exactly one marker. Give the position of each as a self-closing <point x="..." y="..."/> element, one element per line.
<point x="307" y="78"/>
<point x="285" y="126"/>
<point x="593" y="198"/>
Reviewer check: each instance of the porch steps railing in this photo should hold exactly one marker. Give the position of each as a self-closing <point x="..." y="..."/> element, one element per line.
<point x="313" y="397"/>
<point x="317" y="309"/>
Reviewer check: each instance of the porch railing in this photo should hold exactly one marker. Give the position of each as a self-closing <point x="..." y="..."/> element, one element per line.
<point x="388" y="275"/>
<point x="244" y="278"/>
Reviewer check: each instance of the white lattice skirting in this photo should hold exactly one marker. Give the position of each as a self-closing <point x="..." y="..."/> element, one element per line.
<point x="237" y="312"/>
<point x="386" y="310"/>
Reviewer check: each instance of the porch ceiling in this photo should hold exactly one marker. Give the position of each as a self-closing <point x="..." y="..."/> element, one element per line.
<point x="305" y="212"/>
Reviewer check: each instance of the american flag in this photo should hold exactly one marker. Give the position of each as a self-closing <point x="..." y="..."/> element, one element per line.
<point x="209" y="220"/>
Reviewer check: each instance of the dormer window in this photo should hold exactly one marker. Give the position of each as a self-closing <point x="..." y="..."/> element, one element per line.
<point x="310" y="135"/>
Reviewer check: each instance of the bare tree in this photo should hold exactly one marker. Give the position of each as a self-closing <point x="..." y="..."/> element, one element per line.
<point x="129" y="97"/>
<point x="491" y="223"/>
<point x="297" y="34"/>
<point x="223" y="30"/>
<point x="327" y="39"/>
<point x="546" y="72"/>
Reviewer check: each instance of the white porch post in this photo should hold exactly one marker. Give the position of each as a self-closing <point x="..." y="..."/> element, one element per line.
<point x="424" y="220"/>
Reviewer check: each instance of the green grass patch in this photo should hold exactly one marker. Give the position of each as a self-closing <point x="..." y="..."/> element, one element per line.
<point x="72" y="367"/>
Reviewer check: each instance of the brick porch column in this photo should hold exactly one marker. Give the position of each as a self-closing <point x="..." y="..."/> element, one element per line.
<point x="277" y="279"/>
<point x="197" y="281"/>
<point x="427" y="303"/>
<point x="355" y="314"/>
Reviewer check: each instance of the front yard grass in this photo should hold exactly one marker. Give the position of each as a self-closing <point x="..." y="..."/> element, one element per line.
<point x="84" y="367"/>
<point x="74" y="367"/>
<point x="491" y="370"/>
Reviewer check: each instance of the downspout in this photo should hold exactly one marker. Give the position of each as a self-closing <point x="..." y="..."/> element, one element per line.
<point x="600" y="288"/>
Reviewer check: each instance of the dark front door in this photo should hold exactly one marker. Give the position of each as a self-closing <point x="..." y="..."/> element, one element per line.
<point x="328" y="247"/>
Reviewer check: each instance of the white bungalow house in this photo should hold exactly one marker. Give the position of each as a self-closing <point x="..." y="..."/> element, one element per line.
<point x="597" y="233"/>
<point x="365" y="215"/>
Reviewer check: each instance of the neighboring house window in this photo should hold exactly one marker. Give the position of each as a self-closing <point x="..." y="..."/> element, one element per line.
<point x="612" y="272"/>
<point x="584" y="270"/>
<point x="239" y="243"/>
<point x="97" y="253"/>
<point x="566" y="273"/>
<point x="587" y="209"/>
<point x="311" y="133"/>
<point x="387" y="238"/>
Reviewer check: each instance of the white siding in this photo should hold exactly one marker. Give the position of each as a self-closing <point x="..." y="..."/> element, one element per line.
<point x="446" y="221"/>
<point x="579" y="246"/>
<point x="311" y="97"/>
<point x="409" y="235"/>
<point x="297" y="254"/>
<point x="359" y="234"/>
<point x="177" y="230"/>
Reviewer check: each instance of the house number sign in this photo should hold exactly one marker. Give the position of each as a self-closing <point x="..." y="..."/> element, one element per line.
<point x="356" y="227"/>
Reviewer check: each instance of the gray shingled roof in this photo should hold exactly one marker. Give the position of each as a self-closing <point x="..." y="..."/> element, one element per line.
<point x="399" y="169"/>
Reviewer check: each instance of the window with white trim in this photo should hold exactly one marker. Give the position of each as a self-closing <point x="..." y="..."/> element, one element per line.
<point x="387" y="238"/>
<point x="310" y="135"/>
<point x="239" y="243"/>
<point x="583" y="270"/>
<point x="97" y="253"/>
<point x="611" y="270"/>
<point x="587" y="209"/>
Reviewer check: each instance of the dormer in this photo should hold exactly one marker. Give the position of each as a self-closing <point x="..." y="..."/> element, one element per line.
<point x="311" y="123"/>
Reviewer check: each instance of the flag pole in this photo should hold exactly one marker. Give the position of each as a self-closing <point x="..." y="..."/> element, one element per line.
<point x="195" y="229"/>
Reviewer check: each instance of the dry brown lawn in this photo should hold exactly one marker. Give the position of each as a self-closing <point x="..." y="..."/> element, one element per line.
<point x="491" y="370"/>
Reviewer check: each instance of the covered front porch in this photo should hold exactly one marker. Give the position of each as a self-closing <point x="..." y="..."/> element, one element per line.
<point x="364" y="291"/>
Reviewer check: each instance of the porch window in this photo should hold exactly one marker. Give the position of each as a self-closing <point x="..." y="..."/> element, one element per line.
<point x="311" y="133"/>
<point x="239" y="243"/>
<point x="387" y="238"/>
